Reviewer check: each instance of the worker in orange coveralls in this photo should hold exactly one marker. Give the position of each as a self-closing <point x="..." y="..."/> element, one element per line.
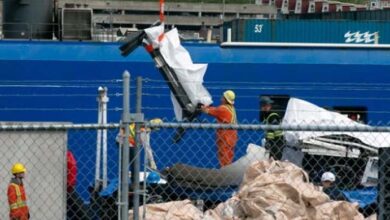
<point x="16" y="195"/>
<point x="226" y="138"/>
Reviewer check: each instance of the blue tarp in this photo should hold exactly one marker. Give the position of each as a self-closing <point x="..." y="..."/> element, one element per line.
<point x="110" y="189"/>
<point x="364" y="197"/>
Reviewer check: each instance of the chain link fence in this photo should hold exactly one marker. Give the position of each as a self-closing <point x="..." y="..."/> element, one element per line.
<point x="336" y="163"/>
<point x="188" y="181"/>
<point x="60" y="162"/>
<point x="318" y="165"/>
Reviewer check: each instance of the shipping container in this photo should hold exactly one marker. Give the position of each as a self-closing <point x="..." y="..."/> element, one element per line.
<point x="309" y="31"/>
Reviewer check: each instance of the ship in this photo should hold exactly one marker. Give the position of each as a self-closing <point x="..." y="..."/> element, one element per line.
<point x="46" y="80"/>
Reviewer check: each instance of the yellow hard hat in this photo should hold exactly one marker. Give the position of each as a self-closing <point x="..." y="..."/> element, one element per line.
<point x="18" y="168"/>
<point x="156" y="121"/>
<point x="229" y="96"/>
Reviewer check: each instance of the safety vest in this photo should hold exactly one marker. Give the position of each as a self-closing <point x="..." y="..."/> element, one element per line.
<point x="273" y="134"/>
<point x="233" y="112"/>
<point x="18" y="207"/>
<point x="132" y="134"/>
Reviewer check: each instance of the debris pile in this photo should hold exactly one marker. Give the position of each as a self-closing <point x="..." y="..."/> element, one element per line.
<point x="270" y="190"/>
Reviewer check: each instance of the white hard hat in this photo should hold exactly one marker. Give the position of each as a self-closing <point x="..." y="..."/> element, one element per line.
<point x="328" y="176"/>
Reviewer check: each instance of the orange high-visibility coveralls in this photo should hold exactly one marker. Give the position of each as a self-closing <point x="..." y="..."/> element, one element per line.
<point x="17" y="202"/>
<point x="226" y="138"/>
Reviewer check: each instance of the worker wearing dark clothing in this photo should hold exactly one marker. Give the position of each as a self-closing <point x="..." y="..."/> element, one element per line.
<point x="334" y="193"/>
<point x="17" y="198"/>
<point x="274" y="138"/>
<point x="329" y="187"/>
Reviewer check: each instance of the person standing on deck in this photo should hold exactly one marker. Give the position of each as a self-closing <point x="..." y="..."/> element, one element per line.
<point x="226" y="139"/>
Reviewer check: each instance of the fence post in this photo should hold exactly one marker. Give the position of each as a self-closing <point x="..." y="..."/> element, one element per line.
<point x="101" y="142"/>
<point x="124" y="163"/>
<point x="383" y="183"/>
<point x="98" y="141"/>
<point x="137" y="151"/>
<point x="104" y="100"/>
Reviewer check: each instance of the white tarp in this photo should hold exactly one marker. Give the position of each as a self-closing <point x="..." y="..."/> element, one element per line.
<point x="177" y="57"/>
<point x="303" y="113"/>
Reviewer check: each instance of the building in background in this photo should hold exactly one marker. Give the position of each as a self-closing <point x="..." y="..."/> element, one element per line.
<point x="119" y="17"/>
<point x="112" y="20"/>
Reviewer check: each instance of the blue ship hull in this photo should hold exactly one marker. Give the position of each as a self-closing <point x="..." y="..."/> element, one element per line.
<point x="72" y="72"/>
<point x="325" y="74"/>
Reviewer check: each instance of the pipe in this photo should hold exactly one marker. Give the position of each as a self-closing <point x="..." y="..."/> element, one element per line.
<point x="320" y="45"/>
<point x="137" y="150"/>
<point x="98" y="140"/>
<point x="104" y="100"/>
<point x="124" y="200"/>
